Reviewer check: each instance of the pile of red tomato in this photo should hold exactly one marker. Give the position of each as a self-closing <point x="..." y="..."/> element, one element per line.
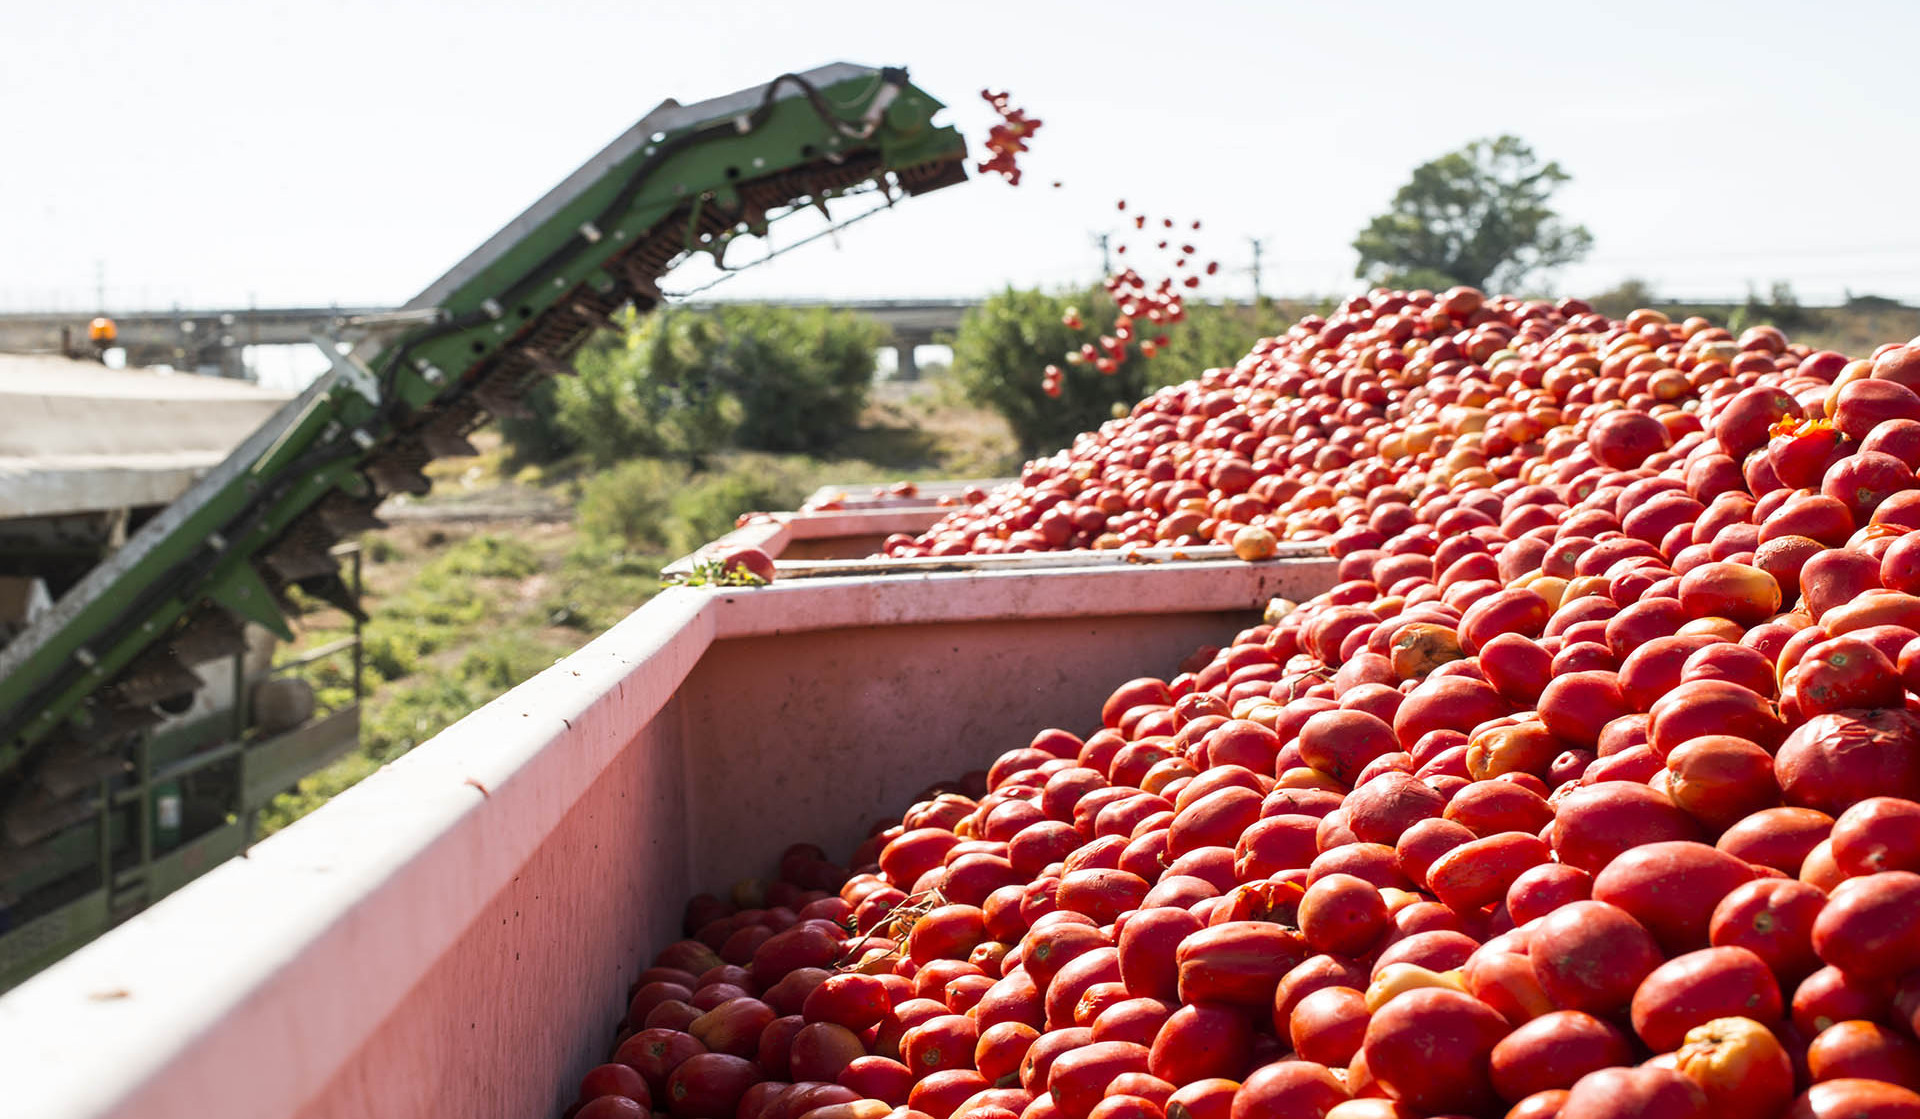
<point x="1591" y="790"/>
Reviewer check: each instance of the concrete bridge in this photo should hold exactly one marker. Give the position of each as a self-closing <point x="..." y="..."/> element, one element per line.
<point x="914" y="322"/>
<point x="195" y="340"/>
<point x="211" y="340"/>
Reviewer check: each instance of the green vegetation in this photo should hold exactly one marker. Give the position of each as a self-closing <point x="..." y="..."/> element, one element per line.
<point x="713" y="573"/>
<point x="1479" y="216"/>
<point x="443" y="637"/>
<point x="688" y="384"/>
<point x="456" y="621"/>
<point x="664" y="506"/>
<point x="1219" y="335"/>
<point x="673" y="430"/>
<point x="1004" y="345"/>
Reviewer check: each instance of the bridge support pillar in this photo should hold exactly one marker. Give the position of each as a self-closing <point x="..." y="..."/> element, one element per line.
<point x="233" y="362"/>
<point x="905" y="341"/>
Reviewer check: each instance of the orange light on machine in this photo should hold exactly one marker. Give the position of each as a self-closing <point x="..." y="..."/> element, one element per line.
<point x="101" y="331"/>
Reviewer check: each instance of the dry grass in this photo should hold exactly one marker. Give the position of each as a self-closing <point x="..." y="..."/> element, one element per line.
<point x="1856" y="332"/>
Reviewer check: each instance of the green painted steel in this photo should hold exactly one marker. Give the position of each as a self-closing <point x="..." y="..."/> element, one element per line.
<point x="514" y="309"/>
<point x="193" y="858"/>
<point x="145" y="834"/>
<point x="60" y="931"/>
<point x="276" y="765"/>
<point x="47" y="938"/>
<point x="163" y="863"/>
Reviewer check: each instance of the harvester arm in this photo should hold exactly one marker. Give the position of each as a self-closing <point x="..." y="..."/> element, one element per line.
<point x="112" y="654"/>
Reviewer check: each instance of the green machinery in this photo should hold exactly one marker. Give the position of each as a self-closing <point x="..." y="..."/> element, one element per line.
<point x="81" y="687"/>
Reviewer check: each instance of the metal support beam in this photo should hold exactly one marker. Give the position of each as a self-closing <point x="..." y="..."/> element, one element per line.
<point x="906" y="339"/>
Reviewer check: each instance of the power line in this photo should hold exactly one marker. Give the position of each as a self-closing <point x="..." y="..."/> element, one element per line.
<point x="1106" y="254"/>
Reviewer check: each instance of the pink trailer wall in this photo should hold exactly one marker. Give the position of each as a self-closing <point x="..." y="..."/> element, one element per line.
<point x="454" y="936"/>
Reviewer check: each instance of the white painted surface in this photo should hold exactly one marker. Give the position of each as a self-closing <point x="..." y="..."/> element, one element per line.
<point x="78" y="437"/>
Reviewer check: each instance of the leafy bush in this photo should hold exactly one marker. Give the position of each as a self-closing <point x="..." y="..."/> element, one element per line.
<point x="390" y="651"/>
<point x="660" y="505"/>
<point x="687" y="384"/>
<point x="1217" y="336"/>
<point x="1781" y="308"/>
<point x="710" y="503"/>
<point x="1624" y="298"/>
<point x="499" y="663"/>
<point x="600" y="582"/>
<point x="631" y="502"/>
<point x="1003" y="346"/>
<point x="801" y="376"/>
<point x="486" y="556"/>
<point x="708" y="506"/>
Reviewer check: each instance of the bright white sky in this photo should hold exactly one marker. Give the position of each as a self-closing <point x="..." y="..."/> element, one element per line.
<point x="349" y="151"/>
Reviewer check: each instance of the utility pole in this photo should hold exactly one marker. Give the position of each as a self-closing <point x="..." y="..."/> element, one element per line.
<point x="1257" y="247"/>
<point x="100" y="286"/>
<point x="1106" y="254"/>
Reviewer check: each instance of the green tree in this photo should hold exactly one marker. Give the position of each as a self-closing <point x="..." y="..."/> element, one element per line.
<point x="802" y="376"/>
<point x="651" y="390"/>
<point x="1215" y="336"/>
<point x="1479" y="216"/>
<point x="1004" y="345"/>
<point x="687" y="384"/>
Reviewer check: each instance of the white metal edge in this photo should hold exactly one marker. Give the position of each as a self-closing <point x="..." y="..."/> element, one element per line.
<point x="853" y="600"/>
<point x="860" y="522"/>
<point x="772" y="532"/>
<point x="860" y="495"/>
